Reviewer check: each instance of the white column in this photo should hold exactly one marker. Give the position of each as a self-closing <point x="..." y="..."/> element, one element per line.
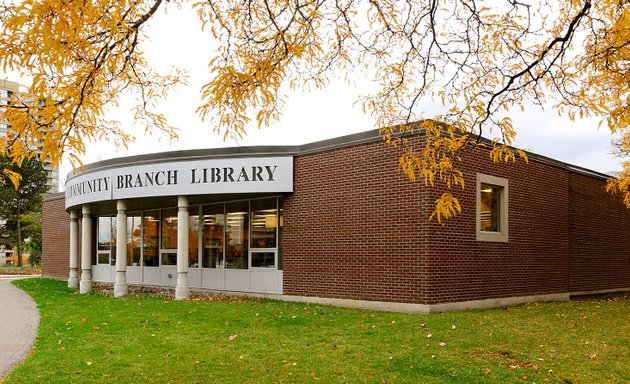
<point x="73" y="279"/>
<point x="85" y="285"/>
<point x="182" y="290"/>
<point x="120" y="288"/>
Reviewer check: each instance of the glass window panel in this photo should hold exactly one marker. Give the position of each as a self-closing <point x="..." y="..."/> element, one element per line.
<point x="150" y="239"/>
<point x="263" y="259"/>
<point x="490" y="207"/>
<point x="264" y="223"/>
<point x="106" y="240"/>
<point x="237" y="225"/>
<point x="193" y="239"/>
<point x="134" y="240"/>
<point x="169" y="258"/>
<point x="169" y="229"/>
<point x="103" y="257"/>
<point x="213" y="228"/>
<point x="104" y="233"/>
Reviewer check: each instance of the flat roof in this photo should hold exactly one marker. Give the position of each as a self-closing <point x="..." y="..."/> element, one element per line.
<point x="288" y="150"/>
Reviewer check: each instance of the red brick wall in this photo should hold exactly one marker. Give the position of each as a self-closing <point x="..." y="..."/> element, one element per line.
<point x="55" y="238"/>
<point x="356" y="228"/>
<point x="600" y="237"/>
<point x="534" y="261"/>
<point x="352" y="227"/>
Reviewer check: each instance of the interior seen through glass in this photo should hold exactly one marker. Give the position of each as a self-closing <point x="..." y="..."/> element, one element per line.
<point x="150" y="238"/>
<point x="212" y="235"/>
<point x="106" y="241"/>
<point x="490" y="208"/>
<point x="236" y="235"/>
<point x="134" y="240"/>
<point x="221" y="235"/>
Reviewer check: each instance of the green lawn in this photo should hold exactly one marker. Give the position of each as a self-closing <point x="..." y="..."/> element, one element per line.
<point x="146" y="338"/>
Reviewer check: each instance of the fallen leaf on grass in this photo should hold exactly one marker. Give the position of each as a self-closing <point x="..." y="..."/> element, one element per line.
<point x="232" y="337"/>
<point x="487" y="371"/>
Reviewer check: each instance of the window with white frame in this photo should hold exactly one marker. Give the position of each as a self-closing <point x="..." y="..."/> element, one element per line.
<point x="237" y="235"/>
<point x="264" y="233"/>
<point x="106" y="241"/>
<point x="168" y="235"/>
<point x="492" y="208"/>
<point x="150" y="238"/>
<point x="134" y="240"/>
<point x="233" y="235"/>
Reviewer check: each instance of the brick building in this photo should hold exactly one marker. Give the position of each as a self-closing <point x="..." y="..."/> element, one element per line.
<point x="335" y="222"/>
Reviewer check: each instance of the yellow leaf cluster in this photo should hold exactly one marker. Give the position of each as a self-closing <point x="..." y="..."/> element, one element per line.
<point x="446" y="207"/>
<point x="475" y="61"/>
<point x="621" y="185"/>
<point x="266" y="45"/>
<point x="81" y="56"/>
<point x="13" y="177"/>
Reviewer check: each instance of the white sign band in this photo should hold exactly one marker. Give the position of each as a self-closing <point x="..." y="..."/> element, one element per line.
<point x="197" y="177"/>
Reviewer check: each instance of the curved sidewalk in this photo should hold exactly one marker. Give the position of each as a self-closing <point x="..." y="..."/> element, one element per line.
<point x="19" y="320"/>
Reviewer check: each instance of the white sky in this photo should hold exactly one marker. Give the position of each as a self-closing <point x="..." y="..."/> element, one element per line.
<point x="314" y="116"/>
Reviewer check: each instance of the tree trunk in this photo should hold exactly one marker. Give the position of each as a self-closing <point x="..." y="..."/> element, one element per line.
<point x="19" y="237"/>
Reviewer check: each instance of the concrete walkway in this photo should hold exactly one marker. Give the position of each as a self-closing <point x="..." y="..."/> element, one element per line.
<point x="19" y="320"/>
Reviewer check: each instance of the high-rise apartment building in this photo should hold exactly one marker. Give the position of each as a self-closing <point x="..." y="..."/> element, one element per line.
<point x="7" y="89"/>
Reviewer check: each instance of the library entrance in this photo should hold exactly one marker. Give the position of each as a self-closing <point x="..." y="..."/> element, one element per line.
<point x="232" y="245"/>
<point x="210" y="223"/>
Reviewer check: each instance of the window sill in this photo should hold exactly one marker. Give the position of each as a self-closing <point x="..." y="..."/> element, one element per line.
<point x="494" y="237"/>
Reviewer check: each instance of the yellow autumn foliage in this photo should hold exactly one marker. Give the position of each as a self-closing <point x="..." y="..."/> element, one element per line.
<point x="476" y="60"/>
